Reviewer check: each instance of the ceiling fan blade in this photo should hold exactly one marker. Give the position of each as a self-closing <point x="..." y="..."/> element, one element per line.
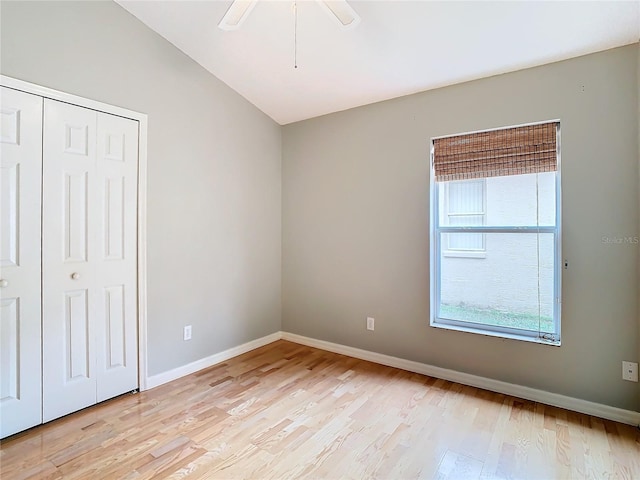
<point x="341" y="11"/>
<point x="236" y="14"/>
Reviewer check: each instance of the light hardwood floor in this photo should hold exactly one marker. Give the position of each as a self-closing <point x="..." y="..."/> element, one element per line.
<point x="291" y="411"/>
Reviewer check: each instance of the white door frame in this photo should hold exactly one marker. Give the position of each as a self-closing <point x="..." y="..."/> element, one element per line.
<point x="45" y="92"/>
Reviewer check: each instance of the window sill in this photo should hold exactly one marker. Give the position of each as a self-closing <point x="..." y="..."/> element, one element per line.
<point x="490" y="333"/>
<point x="464" y="254"/>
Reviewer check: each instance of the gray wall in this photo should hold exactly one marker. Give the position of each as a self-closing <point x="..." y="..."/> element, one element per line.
<point x="356" y="225"/>
<point x="214" y="170"/>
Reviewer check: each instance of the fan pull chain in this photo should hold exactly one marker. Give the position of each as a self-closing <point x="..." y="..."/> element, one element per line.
<point x="295" y="35"/>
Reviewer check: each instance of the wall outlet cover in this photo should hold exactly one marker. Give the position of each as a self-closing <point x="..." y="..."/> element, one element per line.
<point x="630" y="371"/>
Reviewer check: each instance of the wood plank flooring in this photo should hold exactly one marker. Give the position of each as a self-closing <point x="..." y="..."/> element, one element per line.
<point x="291" y="411"/>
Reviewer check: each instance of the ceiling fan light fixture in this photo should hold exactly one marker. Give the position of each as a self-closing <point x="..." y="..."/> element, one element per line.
<point x="341" y="11"/>
<point x="236" y="14"/>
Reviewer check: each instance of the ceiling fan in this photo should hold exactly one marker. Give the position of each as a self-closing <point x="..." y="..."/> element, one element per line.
<point x="339" y="10"/>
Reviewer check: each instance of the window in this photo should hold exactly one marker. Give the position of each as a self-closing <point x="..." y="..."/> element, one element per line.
<point x="495" y="225"/>
<point x="465" y="205"/>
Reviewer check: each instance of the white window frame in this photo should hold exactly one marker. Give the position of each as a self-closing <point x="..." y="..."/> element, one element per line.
<point x="462" y="252"/>
<point x="546" y="338"/>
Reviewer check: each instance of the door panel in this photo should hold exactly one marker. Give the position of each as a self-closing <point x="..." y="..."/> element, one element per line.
<point x="20" y="256"/>
<point x="68" y="256"/>
<point x="10" y="346"/>
<point x="9" y="202"/>
<point x="116" y="355"/>
<point x="116" y="267"/>
<point x="114" y="202"/>
<point x="76" y="197"/>
<point x="75" y="336"/>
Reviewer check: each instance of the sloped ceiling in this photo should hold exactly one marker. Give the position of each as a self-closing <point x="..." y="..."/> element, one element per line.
<point x="399" y="47"/>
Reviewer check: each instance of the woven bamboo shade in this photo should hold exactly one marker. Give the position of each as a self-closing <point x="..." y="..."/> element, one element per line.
<point x="510" y="151"/>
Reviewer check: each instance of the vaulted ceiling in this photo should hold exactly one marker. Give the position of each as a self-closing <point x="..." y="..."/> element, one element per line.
<point x="398" y="48"/>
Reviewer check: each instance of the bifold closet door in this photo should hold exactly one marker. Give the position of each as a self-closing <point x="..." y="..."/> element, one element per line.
<point x="117" y="260"/>
<point x="88" y="258"/>
<point x="20" y="334"/>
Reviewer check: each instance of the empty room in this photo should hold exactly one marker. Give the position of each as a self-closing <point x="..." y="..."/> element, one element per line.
<point x="319" y="239"/>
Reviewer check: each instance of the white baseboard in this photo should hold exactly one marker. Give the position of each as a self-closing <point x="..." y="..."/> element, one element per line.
<point x="575" y="404"/>
<point x="168" y="376"/>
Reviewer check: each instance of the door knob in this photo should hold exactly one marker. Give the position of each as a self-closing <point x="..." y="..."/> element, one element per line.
<point x="4" y="283"/>
<point x="75" y="276"/>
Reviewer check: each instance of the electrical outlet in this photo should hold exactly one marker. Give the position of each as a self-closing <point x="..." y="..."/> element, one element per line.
<point x="371" y="323"/>
<point x="187" y="333"/>
<point x="630" y="371"/>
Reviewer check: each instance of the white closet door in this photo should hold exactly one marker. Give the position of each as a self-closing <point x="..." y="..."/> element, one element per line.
<point x="70" y="227"/>
<point x="20" y="334"/>
<point x="89" y="257"/>
<point x="116" y="312"/>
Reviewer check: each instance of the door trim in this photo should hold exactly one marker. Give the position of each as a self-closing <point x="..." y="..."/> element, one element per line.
<point x="46" y="92"/>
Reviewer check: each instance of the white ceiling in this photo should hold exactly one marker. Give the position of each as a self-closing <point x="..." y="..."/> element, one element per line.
<point x="399" y="47"/>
